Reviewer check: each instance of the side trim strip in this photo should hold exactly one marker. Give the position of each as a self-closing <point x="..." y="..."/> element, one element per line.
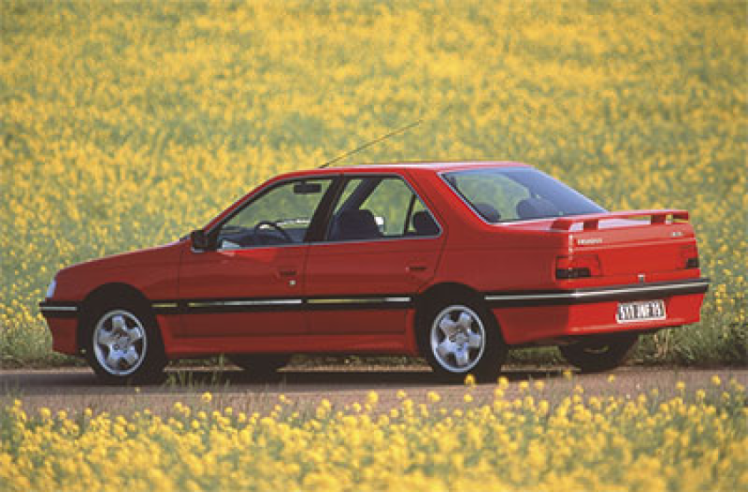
<point x="597" y="294"/>
<point x="193" y="306"/>
<point x="248" y="303"/>
<point x="59" y="308"/>
<point x="51" y="309"/>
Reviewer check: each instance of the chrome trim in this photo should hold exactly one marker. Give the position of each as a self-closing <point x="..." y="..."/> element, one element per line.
<point x="365" y="300"/>
<point x="260" y="246"/>
<point x="165" y="305"/>
<point x="377" y="240"/>
<point x="70" y="309"/>
<point x="324" y="243"/>
<point x="602" y="292"/>
<point x="268" y="302"/>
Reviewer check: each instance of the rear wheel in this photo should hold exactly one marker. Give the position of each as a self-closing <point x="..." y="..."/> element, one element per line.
<point x="461" y="337"/>
<point x="260" y="364"/>
<point x="599" y="353"/>
<point x="123" y="344"/>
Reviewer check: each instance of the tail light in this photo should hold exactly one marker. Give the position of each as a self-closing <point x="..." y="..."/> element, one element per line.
<point x="583" y="266"/>
<point x="689" y="256"/>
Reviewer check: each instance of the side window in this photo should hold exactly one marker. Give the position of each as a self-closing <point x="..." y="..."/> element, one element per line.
<point x="378" y="208"/>
<point x="494" y="196"/>
<point x="280" y="215"/>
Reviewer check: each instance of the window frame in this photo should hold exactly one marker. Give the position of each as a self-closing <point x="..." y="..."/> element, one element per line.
<point x="314" y="223"/>
<point x="344" y="179"/>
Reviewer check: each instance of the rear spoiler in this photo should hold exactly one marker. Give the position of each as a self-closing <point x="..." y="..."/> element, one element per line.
<point x="591" y="221"/>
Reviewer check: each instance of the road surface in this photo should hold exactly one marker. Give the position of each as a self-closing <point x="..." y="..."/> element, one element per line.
<point x="74" y="389"/>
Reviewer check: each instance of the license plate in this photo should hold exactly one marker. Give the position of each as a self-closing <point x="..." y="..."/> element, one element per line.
<point x="629" y="312"/>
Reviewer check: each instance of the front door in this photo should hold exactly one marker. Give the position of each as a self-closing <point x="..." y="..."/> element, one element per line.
<point x="250" y="284"/>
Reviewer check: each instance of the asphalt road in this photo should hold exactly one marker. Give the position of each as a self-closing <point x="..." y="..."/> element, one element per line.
<point x="75" y="389"/>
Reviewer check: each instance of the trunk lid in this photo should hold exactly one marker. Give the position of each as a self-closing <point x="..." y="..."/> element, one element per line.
<point x="632" y="246"/>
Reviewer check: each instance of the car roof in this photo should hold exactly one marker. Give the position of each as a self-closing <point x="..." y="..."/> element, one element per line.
<point x="389" y="167"/>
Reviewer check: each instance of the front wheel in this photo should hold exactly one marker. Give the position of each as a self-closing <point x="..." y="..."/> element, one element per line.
<point x="599" y="353"/>
<point x="123" y="345"/>
<point x="460" y="338"/>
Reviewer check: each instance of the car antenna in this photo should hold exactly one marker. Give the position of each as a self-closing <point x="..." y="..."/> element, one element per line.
<point x="375" y="141"/>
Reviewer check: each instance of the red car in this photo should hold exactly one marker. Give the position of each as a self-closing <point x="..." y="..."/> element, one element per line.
<point x="455" y="262"/>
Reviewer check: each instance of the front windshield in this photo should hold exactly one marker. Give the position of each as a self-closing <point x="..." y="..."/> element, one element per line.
<point x="512" y="194"/>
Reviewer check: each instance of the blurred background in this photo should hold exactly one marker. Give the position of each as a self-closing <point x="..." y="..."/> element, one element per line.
<point x="127" y="124"/>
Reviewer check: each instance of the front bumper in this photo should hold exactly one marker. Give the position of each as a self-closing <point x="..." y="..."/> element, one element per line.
<point x="62" y="319"/>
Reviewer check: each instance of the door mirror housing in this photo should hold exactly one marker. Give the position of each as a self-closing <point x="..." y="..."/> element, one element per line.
<point x="200" y="240"/>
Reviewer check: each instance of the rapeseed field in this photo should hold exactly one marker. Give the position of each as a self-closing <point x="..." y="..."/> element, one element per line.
<point x="127" y="124"/>
<point x="694" y="440"/>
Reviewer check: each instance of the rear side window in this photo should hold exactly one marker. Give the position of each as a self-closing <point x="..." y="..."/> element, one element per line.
<point x="512" y="194"/>
<point x="377" y="207"/>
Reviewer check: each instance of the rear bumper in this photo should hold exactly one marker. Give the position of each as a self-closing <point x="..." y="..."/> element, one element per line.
<point x="535" y="316"/>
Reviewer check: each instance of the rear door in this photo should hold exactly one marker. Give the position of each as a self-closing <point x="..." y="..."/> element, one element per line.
<point x="381" y="245"/>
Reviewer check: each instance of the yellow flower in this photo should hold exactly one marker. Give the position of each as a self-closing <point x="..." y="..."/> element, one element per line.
<point x="372" y="398"/>
<point x="207" y="397"/>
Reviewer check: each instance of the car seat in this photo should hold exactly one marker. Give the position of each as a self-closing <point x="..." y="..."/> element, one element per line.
<point x="424" y="224"/>
<point x="355" y="224"/>
<point x="536" y="208"/>
<point x="488" y="212"/>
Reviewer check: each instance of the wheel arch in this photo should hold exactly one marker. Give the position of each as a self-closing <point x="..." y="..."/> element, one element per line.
<point x="438" y="293"/>
<point x="103" y="294"/>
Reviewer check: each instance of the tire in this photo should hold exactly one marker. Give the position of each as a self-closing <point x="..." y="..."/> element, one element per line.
<point x="260" y="364"/>
<point x="460" y="337"/>
<point x="123" y="344"/>
<point x="599" y="353"/>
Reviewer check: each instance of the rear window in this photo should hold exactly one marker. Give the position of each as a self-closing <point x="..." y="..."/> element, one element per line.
<point x="512" y="194"/>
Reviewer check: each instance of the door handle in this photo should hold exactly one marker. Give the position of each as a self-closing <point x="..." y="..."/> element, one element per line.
<point x="416" y="268"/>
<point x="287" y="272"/>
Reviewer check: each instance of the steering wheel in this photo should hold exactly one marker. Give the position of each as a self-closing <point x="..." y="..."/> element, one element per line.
<point x="273" y="225"/>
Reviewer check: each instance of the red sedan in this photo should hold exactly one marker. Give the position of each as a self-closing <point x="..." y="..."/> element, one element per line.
<point x="455" y="262"/>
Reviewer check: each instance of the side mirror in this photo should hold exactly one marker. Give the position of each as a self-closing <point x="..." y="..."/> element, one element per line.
<point x="200" y="240"/>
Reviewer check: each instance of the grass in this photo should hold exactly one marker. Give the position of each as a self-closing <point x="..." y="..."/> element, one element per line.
<point x="124" y="125"/>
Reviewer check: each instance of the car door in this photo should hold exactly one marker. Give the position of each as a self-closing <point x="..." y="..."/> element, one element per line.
<point x="381" y="245"/>
<point x="250" y="283"/>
